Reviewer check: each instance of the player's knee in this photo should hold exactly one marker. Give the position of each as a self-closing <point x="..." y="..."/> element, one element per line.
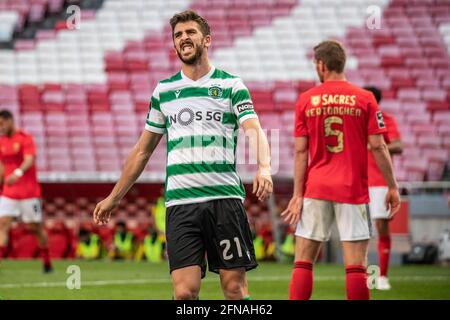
<point x="382" y="227"/>
<point x="233" y="289"/>
<point x="185" y="293"/>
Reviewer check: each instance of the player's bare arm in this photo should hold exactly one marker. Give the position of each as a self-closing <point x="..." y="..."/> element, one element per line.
<point x="134" y="165"/>
<point x="395" y="147"/>
<point x="2" y="172"/>
<point x="382" y="158"/>
<point x="293" y="211"/>
<point x="27" y="163"/>
<point x="262" y="184"/>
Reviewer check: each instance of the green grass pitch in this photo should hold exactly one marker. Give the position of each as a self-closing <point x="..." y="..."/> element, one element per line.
<point x="140" y="280"/>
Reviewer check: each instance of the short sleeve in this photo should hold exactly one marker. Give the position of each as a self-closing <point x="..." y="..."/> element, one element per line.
<point x="376" y="123"/>
<point x="156" y="121"/>
<point x="29" y="147"/>
<point x="241" y="102"/>
<point x="392" y="128"/>
<point x="300" y="128"/>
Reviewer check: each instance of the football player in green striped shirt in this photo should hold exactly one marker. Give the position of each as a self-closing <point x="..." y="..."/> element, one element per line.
<point x="200" y="109"/>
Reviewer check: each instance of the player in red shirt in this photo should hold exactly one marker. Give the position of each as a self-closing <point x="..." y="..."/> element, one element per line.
<point x="377" y="192"/>
<point x="334" y="122"/>
<point x="21" y="190"/>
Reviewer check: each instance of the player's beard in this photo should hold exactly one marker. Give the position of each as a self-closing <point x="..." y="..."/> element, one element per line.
<point x="195" y="58"/>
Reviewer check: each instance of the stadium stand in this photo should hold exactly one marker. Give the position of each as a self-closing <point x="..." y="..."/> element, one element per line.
<point x="84" y="93"/>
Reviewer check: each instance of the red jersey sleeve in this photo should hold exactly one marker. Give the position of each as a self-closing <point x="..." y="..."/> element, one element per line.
<point x="376" y="121"/>
<point x="392" y="128"/>
<point x="300" y="128"/>
<point x="29" y="148"/>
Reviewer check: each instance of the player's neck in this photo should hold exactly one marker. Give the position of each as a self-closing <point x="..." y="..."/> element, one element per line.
<point x="333" y="76"/>
<point x="12" y="132"/>
<point x="198" y="70"/>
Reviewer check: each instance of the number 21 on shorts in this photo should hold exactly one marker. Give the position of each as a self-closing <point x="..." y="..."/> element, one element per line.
<point x="226" y="251"/>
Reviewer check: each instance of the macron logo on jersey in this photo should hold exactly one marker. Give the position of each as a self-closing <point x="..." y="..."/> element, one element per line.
<point x="380" y="120"/>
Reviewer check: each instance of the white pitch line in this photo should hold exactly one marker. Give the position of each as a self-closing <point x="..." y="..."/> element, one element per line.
<point x="98" y="283"/>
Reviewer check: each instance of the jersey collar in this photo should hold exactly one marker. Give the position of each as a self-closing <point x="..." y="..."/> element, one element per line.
<point x="202" y="79"/>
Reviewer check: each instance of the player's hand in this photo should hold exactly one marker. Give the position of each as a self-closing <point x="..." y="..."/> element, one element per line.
<point x="392" y="202"/>
<point x="11" y="179"/>
<point x="262" y="185"/>
<point x="103" y="210"/>
<point x="293" y="211"/>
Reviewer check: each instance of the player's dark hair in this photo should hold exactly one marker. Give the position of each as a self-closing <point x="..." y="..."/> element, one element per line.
<point x="376" y="92"/>
<point x="6" y="114"/>
<point x="83" y="232"/>
<point x="332" y="54"/>
<point x="121" y="223"/>
<point x="190" y="15"/>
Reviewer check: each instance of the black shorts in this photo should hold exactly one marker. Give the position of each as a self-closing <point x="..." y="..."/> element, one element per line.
<point x="218" y="228"/>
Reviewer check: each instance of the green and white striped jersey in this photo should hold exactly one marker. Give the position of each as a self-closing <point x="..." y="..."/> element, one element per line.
<point x="201" y="119"/>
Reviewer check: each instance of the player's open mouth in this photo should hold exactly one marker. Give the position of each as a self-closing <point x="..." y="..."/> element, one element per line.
<point x="186" y="47"/>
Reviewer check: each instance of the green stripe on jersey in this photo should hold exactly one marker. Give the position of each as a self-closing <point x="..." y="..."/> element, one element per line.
<point x="204" y="167"/>
<point x="191" y="92"/>
<point x="246" y="113"/>
<point x="174" y="78"/>
<point x="240" y="96"/>
<point x="155" y="104"/>
<point x="156" y="125"/>
<point x="207" y="191"/>
<point x="229" y="118"/>
<point x="220" y="74"/>
<point x="200" y="141"/>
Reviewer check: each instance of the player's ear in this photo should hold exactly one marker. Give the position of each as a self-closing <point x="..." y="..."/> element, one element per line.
<point x="322" y="67"/>
<point x="207" y="41"/>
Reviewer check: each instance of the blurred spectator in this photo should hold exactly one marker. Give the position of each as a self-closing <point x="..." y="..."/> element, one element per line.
<point x="258" y="243"/>
<point x="288" y="245"/>
<point x="152" y="247"/>
<point x="89" y="245"/>
<point x="124" y="244"/>
<point x="160" y="214"/>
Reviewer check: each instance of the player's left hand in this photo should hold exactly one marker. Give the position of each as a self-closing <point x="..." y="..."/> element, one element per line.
<point x="11" y="179"/>
<point x="293" y="211"/>
<point x="262" y="185"/>
<point x="103" y="210"/>
<point x="392" y="202"/>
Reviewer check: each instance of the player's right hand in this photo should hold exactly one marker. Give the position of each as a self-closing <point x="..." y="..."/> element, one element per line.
<point x="293" y="211"/>
<point x="103" y="210"/>
<point x="392" y="201"/>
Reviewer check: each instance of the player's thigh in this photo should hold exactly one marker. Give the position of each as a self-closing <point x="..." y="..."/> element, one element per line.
<point x="227" y="236"/>
<point x="355" y="230"/>
<point x="306" y="249"/>
<point x="31" y="212"/>
<point x="9" y="209"/>
<point x="382" y="226"/>
<point x="316" y="220"/>
<point x="377" y="206"/>
<point x="184" y="241"/>
<point x="353" y="221"/>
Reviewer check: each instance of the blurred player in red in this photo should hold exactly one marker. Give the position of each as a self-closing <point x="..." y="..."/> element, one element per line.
<point x="334" y="122"/>
<point x="377" y="192"/>
<point x="21" y="190"/>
